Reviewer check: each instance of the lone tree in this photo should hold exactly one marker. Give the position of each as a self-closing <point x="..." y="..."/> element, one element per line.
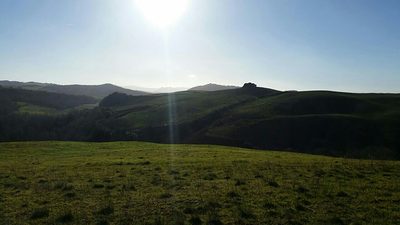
<point x="249" y="85"/>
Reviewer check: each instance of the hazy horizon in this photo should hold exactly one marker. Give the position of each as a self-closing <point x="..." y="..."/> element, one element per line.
<point x="170" y="89"/>
<point x="351" y="46"/>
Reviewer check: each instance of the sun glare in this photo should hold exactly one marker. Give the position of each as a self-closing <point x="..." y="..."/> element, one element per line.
<point x="162" y="13"/>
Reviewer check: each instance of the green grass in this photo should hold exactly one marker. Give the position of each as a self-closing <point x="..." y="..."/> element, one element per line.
<point x="153" y="110"/>
<point x="144" y="183"/>
<point x="24" y="107"/>
<point x="27" y="108"/>
<point x="323" y="122"/>
<point x="262" y="104"/>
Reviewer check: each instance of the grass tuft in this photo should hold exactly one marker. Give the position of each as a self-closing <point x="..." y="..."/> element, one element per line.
<point x="106" y="210"/>
<point x="195" y="220"/>
<point x="166" y="195"/>
<point x="66" y="217"/>
<point x="40" y="213"/>
<point x="210" y="176"/>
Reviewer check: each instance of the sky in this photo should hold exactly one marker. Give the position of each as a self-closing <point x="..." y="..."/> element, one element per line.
<point x="339" y="45"/>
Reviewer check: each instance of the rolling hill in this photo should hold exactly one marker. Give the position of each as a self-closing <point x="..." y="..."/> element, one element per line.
<point x="13" y="99"/>
<point x="95" y="91"/>
<point x="318" y="122"/>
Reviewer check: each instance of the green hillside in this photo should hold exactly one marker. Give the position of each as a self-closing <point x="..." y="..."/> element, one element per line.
<point x="180" y="107"/>
<point x="14" y="99"/>
<point x="317" y="122"/>
<point x="320" y="122"/>
<point x="144" y="183"/>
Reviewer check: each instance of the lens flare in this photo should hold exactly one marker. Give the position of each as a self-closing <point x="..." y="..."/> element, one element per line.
<point x="162" y="13"/>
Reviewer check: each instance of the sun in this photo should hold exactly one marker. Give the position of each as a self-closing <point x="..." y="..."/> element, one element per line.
<point x="162" y="13"/>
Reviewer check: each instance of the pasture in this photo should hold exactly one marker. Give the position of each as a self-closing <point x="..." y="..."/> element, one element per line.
<point x="143" y="183"/>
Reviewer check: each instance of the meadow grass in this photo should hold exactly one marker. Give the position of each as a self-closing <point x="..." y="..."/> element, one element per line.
<point x="145" y="183"/>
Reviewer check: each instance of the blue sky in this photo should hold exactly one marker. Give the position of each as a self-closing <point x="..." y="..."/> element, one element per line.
<point x="341" y="45"/>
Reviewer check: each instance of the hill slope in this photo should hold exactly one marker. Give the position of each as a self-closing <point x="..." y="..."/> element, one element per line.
<point x="318" y="122"/>
<point x="121" y="182"/>
<point x="95" y="91"/>
<point x="12" y="98"/>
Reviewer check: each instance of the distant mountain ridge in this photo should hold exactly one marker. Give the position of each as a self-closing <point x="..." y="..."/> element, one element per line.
<point x="157" y="90"/>
<point x="206" y="87"/>
<point x="95" y="91"/>
<point x="212" y="87"/>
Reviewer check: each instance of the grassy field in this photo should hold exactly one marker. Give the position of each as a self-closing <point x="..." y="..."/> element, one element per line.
<point x="144" y="183"/>
<point x="26" y="108"/>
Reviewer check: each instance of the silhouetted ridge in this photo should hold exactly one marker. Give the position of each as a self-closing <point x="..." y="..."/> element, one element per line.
<point x="95" y="91"/>
<point x="42" y="98"/>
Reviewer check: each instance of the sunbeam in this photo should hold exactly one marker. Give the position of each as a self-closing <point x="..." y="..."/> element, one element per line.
<point x="162" y="13"/>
